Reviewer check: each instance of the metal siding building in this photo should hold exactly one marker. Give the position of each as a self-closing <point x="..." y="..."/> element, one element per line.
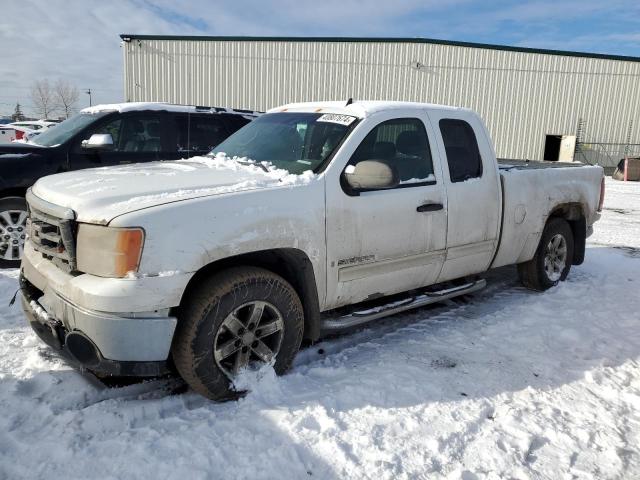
<point x="522" y="94"/>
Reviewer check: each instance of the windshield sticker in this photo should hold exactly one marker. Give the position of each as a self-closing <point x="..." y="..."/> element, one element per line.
<point x="335" y="118"/>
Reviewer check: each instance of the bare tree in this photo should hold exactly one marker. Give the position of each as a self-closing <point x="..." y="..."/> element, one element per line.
<point x="66" y="96"/>
<point x="43" y="98"/>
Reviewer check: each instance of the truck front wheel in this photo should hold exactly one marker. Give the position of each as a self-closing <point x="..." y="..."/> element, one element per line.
<point x="553" y="257"/>
<point x="241" y="318"/>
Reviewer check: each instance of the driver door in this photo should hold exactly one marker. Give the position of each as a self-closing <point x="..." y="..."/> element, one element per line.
<point x="381" y="242"/>
<point x="136" y="138"/>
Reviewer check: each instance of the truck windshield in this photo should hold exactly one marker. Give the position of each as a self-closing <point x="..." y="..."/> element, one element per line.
<point x="292" y="141"/>
<point x="62" y="132"/>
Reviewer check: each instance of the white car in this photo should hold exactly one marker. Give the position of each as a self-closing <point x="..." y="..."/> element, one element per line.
<point x="318" y="217"/>
<point x="33" y="128"/>
<point x="34" y="124"/>
<point x="8" y="133"/>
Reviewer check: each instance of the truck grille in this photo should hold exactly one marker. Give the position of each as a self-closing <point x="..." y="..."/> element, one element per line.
<point x="52" y="237"/>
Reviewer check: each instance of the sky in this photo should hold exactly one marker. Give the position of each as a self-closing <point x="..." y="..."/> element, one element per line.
<point x="78" y="40"/>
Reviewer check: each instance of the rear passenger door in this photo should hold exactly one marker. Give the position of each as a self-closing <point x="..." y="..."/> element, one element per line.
<point x="473" y="192"/>
<point x="199" y="133"/>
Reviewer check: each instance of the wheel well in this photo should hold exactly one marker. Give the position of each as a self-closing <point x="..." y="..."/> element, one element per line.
<point x="13" y="192"/>
<point x="291" y="264"/>
<point x="573" y="213"/>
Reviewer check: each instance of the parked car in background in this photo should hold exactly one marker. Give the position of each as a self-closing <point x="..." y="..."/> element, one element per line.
<point x="8" y="134"/>
<point x="98" y="137"/>
<point x="318" y="217"/>
<point x="35" y="124"/>
<point x="14" y="133"/>
<point x="32" y="128"/>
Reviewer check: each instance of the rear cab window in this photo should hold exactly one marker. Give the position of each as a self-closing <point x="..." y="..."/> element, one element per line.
<point x="461" y="147"/>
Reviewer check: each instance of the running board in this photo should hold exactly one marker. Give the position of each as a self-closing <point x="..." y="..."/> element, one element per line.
<point x="363" y="316"/>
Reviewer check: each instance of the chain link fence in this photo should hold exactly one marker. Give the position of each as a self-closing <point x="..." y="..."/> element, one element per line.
<point x="607" y="155"/>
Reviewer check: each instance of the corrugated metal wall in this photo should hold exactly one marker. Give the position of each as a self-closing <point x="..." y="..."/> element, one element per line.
<point x="522" y="96"/>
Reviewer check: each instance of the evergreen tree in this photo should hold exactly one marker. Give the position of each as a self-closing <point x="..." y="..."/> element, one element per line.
<point x="17" y="114"/>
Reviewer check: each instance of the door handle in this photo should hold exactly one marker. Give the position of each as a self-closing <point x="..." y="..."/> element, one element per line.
<point x="430" y="207"/>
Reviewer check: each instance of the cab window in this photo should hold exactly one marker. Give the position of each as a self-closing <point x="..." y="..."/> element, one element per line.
<point x="139" y="133"/>
<point x="461" y="147"/>
<point x="403" y="144"/>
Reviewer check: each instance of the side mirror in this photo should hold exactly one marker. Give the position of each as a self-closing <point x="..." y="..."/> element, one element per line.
<point x="99" y="141"/>
<point x="371" y="175"/>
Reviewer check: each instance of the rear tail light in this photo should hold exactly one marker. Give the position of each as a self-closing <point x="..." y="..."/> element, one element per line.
<point x="19" y="134"/>
<point x="601" y="202"/>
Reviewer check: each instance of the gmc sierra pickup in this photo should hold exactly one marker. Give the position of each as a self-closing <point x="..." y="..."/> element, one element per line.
<point x="315" y="217"/>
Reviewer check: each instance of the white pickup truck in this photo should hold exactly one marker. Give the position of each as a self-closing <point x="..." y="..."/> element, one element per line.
<point x="314" y="218"/>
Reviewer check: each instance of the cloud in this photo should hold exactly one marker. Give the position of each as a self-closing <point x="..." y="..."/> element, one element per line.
<point x="78" y="39"/>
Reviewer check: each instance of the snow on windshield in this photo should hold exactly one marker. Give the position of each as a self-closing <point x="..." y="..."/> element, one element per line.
<point x="292" y="141"/>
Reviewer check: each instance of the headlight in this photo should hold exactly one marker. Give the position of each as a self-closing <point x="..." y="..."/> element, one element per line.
<point x="108" y="251"/>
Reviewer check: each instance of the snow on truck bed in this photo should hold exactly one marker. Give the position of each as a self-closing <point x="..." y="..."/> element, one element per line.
<point x="512" y="384"/>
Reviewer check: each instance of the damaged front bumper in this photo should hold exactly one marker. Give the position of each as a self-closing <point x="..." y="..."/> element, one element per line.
<point x="83" y="337"/>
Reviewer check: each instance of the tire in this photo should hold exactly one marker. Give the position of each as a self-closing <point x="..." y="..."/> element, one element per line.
<point x="13" y="217"/>
<point x="207" y="331"/>
<point x="549" y="266"/>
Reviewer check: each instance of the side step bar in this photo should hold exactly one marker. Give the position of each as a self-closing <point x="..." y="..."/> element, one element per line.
<point x="363" y="316"/>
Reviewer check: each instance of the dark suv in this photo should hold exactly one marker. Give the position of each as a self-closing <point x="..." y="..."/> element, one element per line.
<point x="101" y="136"/>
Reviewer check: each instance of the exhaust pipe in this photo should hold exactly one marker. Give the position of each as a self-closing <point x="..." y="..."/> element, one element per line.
<point x="82" y="349"/>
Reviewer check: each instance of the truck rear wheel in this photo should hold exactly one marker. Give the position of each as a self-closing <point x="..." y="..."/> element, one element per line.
<point x="13" y="224"/>
<point x="553" y="258"/>
<point x="240" y="318"/>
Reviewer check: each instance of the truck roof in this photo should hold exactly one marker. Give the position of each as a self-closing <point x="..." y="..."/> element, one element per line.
<point x="360" y="108"/>
<point x="161" y="106"/>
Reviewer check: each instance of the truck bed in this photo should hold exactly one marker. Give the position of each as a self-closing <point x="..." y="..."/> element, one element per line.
<point x="512" y="164"/>
<point x="531" y="191"/>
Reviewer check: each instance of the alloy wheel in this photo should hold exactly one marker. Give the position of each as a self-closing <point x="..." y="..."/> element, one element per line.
<point x="555" y="258"/>
<point x="13" y="231"/>
<point x="251" y="334"/>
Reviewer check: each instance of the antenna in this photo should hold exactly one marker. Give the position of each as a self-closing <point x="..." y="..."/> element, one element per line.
<point x="349" y="102"/>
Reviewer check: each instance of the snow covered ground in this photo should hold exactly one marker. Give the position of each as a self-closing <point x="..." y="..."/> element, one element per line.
<point x="510" y="384"/>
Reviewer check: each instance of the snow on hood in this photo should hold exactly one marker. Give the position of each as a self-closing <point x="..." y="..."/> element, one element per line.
<point x="98" y="195"/>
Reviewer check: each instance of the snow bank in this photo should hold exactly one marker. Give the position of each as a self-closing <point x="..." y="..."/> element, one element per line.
<point x="620" y="223"/>
<point x="511" y="384"/>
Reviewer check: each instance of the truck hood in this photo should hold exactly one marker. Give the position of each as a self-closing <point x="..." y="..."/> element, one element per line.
<point x="98" y="195"/>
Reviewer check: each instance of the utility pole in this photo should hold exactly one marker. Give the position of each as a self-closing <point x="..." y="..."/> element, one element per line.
<point x="88" y="92"/>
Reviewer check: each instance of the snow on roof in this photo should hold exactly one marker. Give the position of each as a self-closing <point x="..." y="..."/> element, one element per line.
<point x="160" y="106"/>
<point x="358" y="108"/>
<point x="33" y="122"/>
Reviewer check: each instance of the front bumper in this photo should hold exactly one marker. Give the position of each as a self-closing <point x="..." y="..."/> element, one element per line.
<point x="110" y="326"/>
<point x="83" y="336"/>
<point x="128" y="320"/>
<point x="77" y="347"/>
